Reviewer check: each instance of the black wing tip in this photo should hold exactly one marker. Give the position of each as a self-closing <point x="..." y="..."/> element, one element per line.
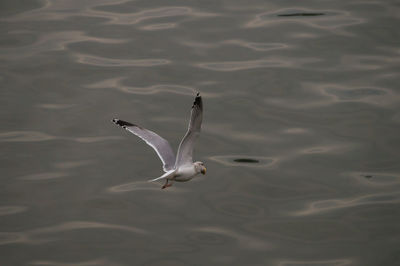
<point x="122" y="123"/>
<point x="197" y="100"/>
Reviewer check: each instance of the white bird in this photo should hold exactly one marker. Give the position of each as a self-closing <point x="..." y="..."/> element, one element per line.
<point x="181" y="168"/>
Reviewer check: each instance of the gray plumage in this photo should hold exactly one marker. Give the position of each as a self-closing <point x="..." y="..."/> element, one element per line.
<point x="182" y="167"/>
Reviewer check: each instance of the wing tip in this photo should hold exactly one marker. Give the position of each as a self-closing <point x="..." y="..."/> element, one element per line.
<point x="197" y="100"/>
<point x="122" y="123"/>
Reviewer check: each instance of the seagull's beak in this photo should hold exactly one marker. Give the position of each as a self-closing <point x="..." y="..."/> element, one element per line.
<point x="203" y="170"/>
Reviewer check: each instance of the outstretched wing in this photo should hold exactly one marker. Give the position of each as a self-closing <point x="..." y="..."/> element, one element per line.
<point x="160" y="145"/>
<point x="164" y="176"/>
<point x="185" y="150"/>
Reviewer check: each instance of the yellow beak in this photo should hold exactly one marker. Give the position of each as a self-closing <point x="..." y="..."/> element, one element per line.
<point x="203" y="171"/>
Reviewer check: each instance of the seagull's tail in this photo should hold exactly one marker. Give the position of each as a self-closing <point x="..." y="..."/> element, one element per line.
<point x="164" y="176"/>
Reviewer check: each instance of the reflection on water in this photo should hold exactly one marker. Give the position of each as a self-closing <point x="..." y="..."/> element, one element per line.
<point x="300" y="133"/>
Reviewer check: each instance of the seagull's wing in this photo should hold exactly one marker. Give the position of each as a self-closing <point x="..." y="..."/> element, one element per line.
<point x="185" y="150"/>
<point x="160" y="145"/>
<point x="164" y="176"/>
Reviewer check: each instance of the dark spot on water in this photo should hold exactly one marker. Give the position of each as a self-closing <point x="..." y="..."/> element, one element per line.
<point x="301" y="15"/>
<point x="368" y="176"/>
<point x="246" y="160"/>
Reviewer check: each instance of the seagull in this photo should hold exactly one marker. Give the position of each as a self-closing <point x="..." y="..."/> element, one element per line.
<point x="182" y="168"/>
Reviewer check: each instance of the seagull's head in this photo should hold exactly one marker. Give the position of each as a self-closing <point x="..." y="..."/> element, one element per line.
<point x="200" y="168"/>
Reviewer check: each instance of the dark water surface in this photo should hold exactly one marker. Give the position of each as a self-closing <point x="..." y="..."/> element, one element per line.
<point x="300" y="138"/>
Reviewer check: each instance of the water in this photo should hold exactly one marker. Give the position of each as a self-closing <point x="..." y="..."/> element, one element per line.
<point x="300" y="135"/>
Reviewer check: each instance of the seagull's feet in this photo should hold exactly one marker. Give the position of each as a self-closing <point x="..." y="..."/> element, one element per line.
<point x="166" y="185"/>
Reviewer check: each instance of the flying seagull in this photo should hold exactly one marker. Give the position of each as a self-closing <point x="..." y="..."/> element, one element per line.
<point x="181" y="168"/>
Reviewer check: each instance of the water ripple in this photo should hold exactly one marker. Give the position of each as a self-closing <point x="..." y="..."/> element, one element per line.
<point x="213" y="235"/>
<point x="34" y="136"/>
<point x="54" y="41"/>
<point x="160" y="26"/>
<point x="96" y="139"/>
<point x="321" y="206"/>
<point x="44" y="176"/>
<point x="296" y="130"/>
<point x="342" y="93"/>
<point x="148" y="14"/>
<point x="255" y="46"/>
<point x="12" y="238"/>
<point x="325" y="149"/>
<point x="55" y="10"/>
<point x="325" y="94"/>
<point x="117" y="83"/>
<point x="310" y="231"/>
<point x="24" y="136"/>
<point x="76" y="225"/>
<point x="377" y="179"/>
<point x="112" y="62"/>
<point x="8" y="210"/>
<point x="35" y="236"/>
<point x="355" y="62"/>
<point x="258" y="63"/>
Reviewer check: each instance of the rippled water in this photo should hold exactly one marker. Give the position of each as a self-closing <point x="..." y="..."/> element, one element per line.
<point x="300" y="136"/>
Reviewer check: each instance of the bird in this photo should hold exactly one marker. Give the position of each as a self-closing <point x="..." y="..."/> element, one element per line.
<point x="180" y="168"/>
